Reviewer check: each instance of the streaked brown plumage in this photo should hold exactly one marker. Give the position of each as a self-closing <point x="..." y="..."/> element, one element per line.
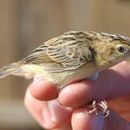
<point x="73" y="56"/>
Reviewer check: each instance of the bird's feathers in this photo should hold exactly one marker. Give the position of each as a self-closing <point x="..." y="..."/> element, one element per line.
<point x="9" y="69"/>
<point x="72" y="56"/>
<point x="66" y="52"/>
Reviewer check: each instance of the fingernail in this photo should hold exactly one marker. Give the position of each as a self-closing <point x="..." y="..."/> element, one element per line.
<point x="50" y="115"/>
<point x="57" y="111"/>
<point x="54" y="108"/>
<point x="46" y="117"/>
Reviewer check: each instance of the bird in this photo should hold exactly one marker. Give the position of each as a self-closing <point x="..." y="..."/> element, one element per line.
<point x="73" y="56"/>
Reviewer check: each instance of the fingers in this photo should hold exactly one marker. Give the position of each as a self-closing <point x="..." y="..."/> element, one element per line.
<point x="81" y="120"/>
<point x="111" y="83"/>
<point x="50" y="115"/>
<point x="41" y="89"/>
<point x="115" y="122"/>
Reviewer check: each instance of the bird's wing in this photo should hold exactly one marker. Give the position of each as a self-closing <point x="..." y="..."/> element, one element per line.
<point x="60" y="54"/>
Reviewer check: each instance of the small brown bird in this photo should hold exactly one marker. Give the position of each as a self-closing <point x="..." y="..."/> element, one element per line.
<point x="73" y="56"/>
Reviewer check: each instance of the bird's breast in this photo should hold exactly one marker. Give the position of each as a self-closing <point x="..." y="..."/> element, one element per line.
<point x="67" y="77"/>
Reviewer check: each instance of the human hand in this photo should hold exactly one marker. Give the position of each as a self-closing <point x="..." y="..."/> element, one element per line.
<point x="52" y="115"/>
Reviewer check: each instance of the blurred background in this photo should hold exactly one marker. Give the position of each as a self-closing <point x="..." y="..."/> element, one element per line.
<point x="25" y="24"/>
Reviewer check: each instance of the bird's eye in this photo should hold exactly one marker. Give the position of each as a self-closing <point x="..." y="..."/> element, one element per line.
<point x="121" y="49"/>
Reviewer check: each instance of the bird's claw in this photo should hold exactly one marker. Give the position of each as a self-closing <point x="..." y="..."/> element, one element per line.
<point x="99" y="108"/>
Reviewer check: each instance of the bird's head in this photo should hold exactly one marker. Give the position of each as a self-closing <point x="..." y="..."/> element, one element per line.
<point x="110" y="49"/>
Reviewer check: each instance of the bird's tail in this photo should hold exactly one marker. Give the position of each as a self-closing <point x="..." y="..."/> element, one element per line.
<point x="10" y="69"/>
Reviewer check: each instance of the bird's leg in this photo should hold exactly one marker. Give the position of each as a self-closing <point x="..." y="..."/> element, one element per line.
<point x="99" y="108"/>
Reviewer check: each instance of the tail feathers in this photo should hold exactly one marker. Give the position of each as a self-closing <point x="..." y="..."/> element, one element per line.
<point x="10" y="69"/>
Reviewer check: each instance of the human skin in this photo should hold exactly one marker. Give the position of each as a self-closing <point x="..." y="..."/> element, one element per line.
<point x="64" y="111"/>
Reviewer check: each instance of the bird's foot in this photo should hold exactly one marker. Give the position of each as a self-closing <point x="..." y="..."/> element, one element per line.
<point x="99" y="108"/>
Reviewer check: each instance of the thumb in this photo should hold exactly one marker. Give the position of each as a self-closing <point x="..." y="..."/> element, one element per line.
<point x="115" y="122"/>
<point x="81" y="120"/>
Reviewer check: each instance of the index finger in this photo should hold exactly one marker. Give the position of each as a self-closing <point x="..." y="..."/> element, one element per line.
<point x="112" y="83"/>
<point x="41" y="89"/>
